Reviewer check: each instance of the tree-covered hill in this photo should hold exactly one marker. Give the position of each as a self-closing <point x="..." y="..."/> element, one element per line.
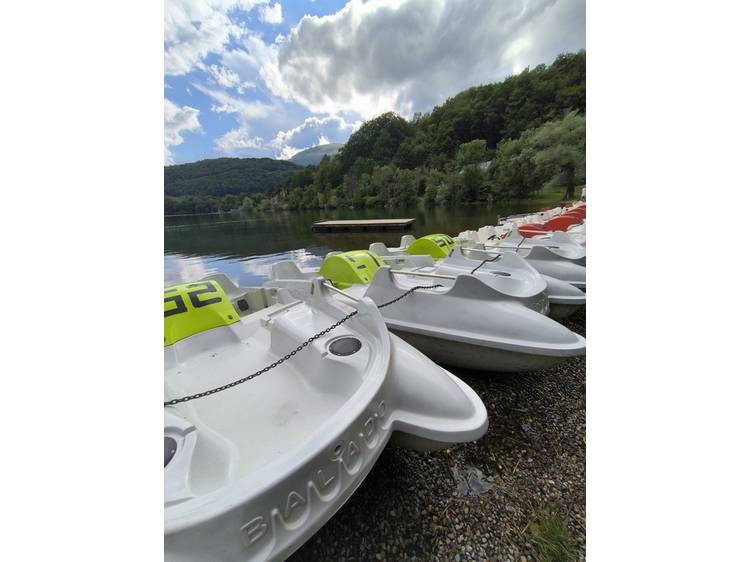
<point x="531" y="127"/>
<point x="313" y="156"/>
<point x="226" y="176"/>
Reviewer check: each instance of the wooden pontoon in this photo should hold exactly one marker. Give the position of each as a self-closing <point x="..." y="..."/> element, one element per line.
<point x="361" y="225"/>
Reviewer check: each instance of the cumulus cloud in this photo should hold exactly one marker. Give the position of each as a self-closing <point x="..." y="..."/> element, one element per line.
<point x="195" y="28"/>
<point x="313" y="131"/>
<point x="254" y="58"/>
<point x="177" y="120"/>
<point x="237" y="141"/>
<point x="271" y="13"/>
<point x="408" y="55"/>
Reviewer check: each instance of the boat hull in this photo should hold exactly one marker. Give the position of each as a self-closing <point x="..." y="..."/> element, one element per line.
<point x="269" y="511"/>
<point x="276" y="521"/>
<point x="477" y="357"/>
<point x="273" y="526"/>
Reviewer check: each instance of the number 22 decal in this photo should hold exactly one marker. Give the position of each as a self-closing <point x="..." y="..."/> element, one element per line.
<point x="180" y="307"/>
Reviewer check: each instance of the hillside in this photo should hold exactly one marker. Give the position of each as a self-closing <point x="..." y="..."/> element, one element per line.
<point x="226" y="176"/>
<point x="313" y="156"/>
<point x="531" y="126"/>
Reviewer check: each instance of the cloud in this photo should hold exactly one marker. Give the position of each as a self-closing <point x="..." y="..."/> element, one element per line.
<point x="271" y="14"/>
<point x="313" y="131"/>
<point x="236" y="141"/>
<point x="195" y="28"/>
<point x="226" y="103"/>
<point x="176" y="121"/>
<point x="228" y="78"/>
<point x="240" y="139"/>
<point x="254" y="58"/>
<point x="409" y="55"/>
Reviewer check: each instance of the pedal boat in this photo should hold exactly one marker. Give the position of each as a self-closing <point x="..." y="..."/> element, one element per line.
<point x="544" y="260"/>
<point x="253" y="471"/>
<point x="560" y="243"/>
<point x="464" y="322"/>
<point x="500" y="271"/>
<point x="578" y="233"/>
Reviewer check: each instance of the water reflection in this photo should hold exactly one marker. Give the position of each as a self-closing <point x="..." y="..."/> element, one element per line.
<point x="245" y="272"/>
<point x="245" y="246"/>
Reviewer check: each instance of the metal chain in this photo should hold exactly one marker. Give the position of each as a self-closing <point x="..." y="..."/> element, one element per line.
<point x="488" y="260"/>
<point x="292" y="353"/>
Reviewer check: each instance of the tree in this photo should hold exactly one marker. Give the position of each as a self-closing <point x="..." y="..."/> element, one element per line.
<point x="527" y="122"/>
<point x="473" y="152"/>
<point x="378" y="139"/>
<point x="434" y="181"/>
<point x="513" y="170"/>
<point x="561" y="151"/>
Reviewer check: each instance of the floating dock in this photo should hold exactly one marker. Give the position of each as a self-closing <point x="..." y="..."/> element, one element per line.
<point x="362" y="225"/>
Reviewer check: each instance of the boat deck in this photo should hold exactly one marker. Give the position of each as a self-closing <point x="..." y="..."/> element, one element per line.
<point x="362" y="225"/>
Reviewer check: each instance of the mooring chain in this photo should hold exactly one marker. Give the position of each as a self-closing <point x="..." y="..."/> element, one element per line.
<point x="488" y="260"/>
<point x="292" y="353"/>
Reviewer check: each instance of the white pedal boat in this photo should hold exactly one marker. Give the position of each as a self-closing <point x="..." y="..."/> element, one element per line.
<point x="544" y="260"/>
<point x="564" y="299"/>
<point x="578" y="233"/>
<point x="253" y="471"/>
<point x="464" y="323"/>
<point x="560" y="243"/>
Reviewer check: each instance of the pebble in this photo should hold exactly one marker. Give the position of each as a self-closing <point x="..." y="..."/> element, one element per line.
<point x="408" y="507"/>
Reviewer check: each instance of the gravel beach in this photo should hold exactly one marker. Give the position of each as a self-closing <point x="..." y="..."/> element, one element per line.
<point x="533" y="455"/>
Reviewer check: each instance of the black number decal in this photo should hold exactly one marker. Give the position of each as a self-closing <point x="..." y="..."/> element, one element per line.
<point x="177" y="299"/>
<point x="207" y="288"/>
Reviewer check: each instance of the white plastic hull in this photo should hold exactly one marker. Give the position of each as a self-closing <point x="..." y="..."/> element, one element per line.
<point x="262" y="466"/>
<point x="502" y="334"/>
<point x="545" y="262"/>
<point x="563" y="299"/>
<point x="272" y="523"/>
<point x="477" y="357"/>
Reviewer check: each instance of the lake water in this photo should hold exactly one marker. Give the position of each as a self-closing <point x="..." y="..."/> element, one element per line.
<point x="244" y="246"/>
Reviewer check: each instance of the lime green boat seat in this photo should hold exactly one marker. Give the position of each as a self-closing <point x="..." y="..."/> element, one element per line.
<point x="436" y="245"/>
<point x="345" y="269"/>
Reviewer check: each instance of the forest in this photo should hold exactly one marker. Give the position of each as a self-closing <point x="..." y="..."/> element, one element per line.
<point x="489" y="143"/>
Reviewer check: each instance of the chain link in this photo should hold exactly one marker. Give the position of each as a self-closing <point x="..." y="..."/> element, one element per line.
<point x="488" y="260"/>
<point x="292" y="353"/>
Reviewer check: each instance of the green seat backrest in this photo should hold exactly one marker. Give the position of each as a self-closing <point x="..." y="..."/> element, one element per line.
<point x="351" y="268"/>
<point x="195" y="307"/>
<point x="436" y="245"/>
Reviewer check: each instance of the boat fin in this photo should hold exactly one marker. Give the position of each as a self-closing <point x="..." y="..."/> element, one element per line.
<point x="541" y="253"/>
<point x="432" y="409"/>
<point x="407" y="240"/>
<point x="514" y="236"/>
<point x="561" y="237"/>
<point x="471" y="287"/>
<point x="514" y="260"/>
<point x="509" y="260"/>
<point x="380" y="249"/>
<point x="286" y="269"/>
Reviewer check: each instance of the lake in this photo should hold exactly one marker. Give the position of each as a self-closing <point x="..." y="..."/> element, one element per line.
<point x="243" y="246"/>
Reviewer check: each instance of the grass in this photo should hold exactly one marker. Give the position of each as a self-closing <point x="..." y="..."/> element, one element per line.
<point x="550" y="536"/>
<point x="553" y="196"/>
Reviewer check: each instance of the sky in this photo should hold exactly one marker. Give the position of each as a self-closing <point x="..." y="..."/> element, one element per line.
<point x="260" y="78"/>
